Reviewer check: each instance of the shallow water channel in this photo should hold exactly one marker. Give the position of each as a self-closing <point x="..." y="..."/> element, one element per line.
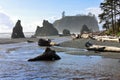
<point x="14" y="65"/>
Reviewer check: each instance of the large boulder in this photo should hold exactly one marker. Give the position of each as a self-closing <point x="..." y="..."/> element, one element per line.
<point x="48" y="55"/>
<point x="18" y="31"/>
<point x="44" y="42"/>
<point x="46" y="30"/>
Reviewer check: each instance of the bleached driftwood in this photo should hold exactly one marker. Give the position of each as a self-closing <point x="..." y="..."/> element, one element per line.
<point x="113" y="39"/>
<point x="85" y="35"/>
<point x="102" y="48"/>
<point x="107" y="38"/>
<point x="75" y="36"/>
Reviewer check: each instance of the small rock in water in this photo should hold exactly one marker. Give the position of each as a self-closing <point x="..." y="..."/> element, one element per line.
<point x="48" y="55"/>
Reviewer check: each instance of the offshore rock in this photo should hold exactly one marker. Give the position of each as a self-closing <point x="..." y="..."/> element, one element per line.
<point x="48" y="55"/>
<point x="85" y="29"/>
<point x="66" y="32"/>
<point x="18" y="31"/>
<point x="46" y="30"/>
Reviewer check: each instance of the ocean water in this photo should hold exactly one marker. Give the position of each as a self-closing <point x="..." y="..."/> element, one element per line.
<point x="14" y="65"/>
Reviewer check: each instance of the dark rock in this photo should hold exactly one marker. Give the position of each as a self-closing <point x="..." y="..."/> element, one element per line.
<point x="44" y="42"/>
<point x="47" y="42"/>
<point x="30" y="41"/>
<point x="85" y="29"/>
<point x="66" y="32"/>
<point x="47" y="30"/>
<point x="48" y="55"/>
<point x="75" y="23"/>
<point x="18" y="31"/>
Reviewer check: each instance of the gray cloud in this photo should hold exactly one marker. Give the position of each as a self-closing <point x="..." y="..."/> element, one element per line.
<point x="5" y="22"/>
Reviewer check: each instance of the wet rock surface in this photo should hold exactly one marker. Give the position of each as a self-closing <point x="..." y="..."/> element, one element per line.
<point x="44" y="42"/>
<point x="48" y="55"/>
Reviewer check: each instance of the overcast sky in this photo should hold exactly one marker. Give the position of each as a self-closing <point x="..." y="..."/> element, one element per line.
<point x="33" y="12"/>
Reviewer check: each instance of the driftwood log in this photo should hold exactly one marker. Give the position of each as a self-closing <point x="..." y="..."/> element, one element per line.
<point x="75" y="36"/>
<point x="108" y="39"/>
<point x="101" y="48"/>
<point x="85" y="35"/>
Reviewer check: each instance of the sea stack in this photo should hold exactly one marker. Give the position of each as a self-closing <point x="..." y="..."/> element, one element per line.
<point x="46" y="30"/>
<point x="75" y="23"/>
<point x="18" y="31"/>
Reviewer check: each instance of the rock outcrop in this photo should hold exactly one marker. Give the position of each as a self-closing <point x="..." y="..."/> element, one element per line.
<point x="85" y="29"/>
<point x="66" y="32"/>
<point x="18" y="31"/>
<point x="75" y="23"/>
<point x="47" y="30"/>
<point x="48" y="55"/>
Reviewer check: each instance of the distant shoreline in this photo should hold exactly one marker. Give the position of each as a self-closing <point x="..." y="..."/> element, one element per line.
<point x="17" y="40"/>
<point x="7" y="35"/>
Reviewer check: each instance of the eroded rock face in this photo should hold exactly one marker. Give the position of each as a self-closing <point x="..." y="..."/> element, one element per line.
<point x="47" y="30"/>
<point x="18" y="31"/>
<point x="48" y="55"/>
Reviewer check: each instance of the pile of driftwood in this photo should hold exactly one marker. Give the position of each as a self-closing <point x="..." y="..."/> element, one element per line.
<point x="84" y="35"/>
<point x="101" y="48"/>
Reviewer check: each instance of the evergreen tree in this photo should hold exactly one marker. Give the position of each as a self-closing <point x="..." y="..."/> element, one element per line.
<point x="111" y="12"/>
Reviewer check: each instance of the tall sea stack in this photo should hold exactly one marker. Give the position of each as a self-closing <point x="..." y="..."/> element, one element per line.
<point x="18" y="31"/>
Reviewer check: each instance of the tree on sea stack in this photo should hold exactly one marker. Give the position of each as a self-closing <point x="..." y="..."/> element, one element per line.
<point x="18" y="31"/>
